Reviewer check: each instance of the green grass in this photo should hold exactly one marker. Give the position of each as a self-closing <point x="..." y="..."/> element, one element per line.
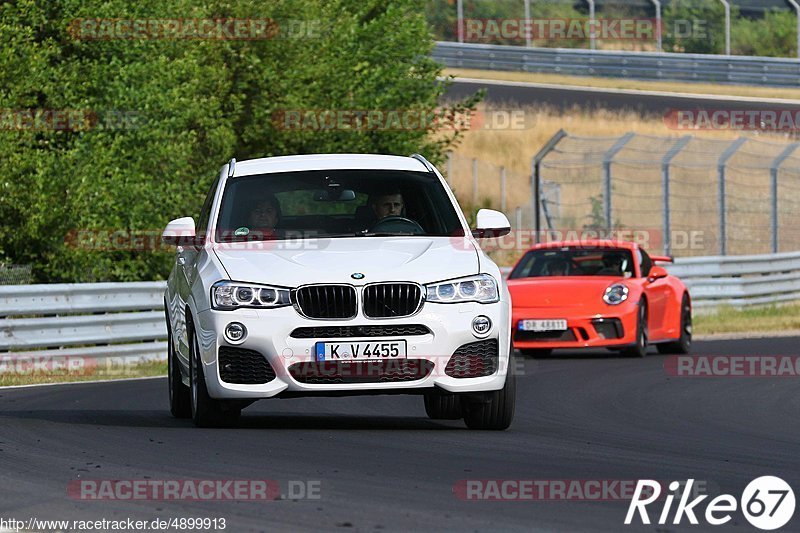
<point x="140" y="370"/>
<point x="759" y="319"/>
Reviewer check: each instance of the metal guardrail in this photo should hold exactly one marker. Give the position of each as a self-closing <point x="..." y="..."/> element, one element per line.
<point x="126" y="320"/>
<point x="776" y="72"/>
<point x="742" y="280"/>
<point x="737" y="281"/>
<point x="83" y="320"/>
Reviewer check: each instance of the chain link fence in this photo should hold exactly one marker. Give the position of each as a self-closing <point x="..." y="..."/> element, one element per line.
<point x="684" y="196"/>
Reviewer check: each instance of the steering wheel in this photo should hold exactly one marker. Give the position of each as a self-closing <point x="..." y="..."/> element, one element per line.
<point x="397" y="224"/>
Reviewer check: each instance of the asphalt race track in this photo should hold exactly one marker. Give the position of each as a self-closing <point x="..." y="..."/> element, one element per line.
<point x="510" y="93"/>
<point x="382" y="465"/>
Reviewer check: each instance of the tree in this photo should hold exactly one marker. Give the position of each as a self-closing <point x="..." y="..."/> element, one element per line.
<point x="158" y="117"/>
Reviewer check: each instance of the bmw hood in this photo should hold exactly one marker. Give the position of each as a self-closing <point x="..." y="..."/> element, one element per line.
<point x="357" y="260"/>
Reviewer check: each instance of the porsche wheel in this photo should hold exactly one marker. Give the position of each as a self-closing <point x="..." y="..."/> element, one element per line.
<point x="684" y="343"/>
<point x="639" y="349"/>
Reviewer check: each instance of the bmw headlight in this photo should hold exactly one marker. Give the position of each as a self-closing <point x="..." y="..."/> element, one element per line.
<point x="230" y="295"/>
<point x="615" y="294"/>
<point x="481" y="288"/>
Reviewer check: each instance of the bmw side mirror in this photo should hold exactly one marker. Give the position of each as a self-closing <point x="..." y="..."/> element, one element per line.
<point x="180" y="232"/>
<point x="491" y="223"/>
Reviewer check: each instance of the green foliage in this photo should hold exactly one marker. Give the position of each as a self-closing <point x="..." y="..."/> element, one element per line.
<point x="773" y="36"/>
<point x="190" y="105"/>
<point x="696" y="27"/>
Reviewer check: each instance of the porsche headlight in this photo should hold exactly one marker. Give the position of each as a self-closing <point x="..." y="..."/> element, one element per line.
<point x="481" y="288"/>
<point x="230" y="295"/>
<point x="615" y="294"/>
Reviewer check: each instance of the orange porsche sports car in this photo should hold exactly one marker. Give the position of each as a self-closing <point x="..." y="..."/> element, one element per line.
<point x="589" y="294"/>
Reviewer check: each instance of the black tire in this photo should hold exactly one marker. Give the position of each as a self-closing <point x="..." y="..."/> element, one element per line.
<point x="206" y="411"/>
<point x="639" y="349"/>
<point x="684" y="343"/>
<point x="492" y="410"/>
<point x="179" y="395"/>
<point x="443" y="407"/>
<point x="535" y="352"/>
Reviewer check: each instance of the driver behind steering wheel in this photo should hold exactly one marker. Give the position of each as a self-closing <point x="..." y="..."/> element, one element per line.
<point x="387" y="205"/>
<point x="388" y="210"/>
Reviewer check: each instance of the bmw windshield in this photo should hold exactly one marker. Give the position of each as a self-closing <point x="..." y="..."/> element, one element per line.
<point x="335" y="203"/>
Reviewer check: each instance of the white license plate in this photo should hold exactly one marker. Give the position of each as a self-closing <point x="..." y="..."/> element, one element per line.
<point x="543" y="325"/>
<point x="360" y="350"/>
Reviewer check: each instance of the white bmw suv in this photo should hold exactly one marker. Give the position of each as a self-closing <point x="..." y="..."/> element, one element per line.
<point x="337" y="275"/>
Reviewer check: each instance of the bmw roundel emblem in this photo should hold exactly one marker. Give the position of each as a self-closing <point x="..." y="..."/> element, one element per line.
<point x="357" y="275"/>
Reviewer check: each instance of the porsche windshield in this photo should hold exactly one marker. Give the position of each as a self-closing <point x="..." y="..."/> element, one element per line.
<point x="614" y="262"/>
<point x="335" y="203"/>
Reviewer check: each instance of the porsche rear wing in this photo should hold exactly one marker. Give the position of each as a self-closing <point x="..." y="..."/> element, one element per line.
<point x="662" y="259"/>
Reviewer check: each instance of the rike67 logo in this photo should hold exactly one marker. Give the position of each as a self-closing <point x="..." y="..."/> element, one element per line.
<point x="767" y="503"/>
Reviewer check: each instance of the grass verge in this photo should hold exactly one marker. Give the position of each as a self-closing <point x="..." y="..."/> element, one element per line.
<point x="139" y="370"/>
<point x="751" y="91"/>
<point x="765" y="319"/>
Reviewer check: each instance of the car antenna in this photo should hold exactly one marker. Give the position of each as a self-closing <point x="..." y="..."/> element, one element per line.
<point x="231" y="167"/>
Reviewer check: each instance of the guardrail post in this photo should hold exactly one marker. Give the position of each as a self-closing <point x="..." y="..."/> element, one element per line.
<point x="607" y="160"/>
<point x="665" y="164"/>
<point x="536" y="178"/>
<point x="592" y="35"/>
<point x="773" y="172"/>
<point x="723" y="221"/>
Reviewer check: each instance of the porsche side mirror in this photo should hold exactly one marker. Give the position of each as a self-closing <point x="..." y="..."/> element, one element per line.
<point x="657" y="272"/>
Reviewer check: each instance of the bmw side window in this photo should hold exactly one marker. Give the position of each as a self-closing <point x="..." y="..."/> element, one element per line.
<point x="645" y="263"/>
<point x="205" y="212"/>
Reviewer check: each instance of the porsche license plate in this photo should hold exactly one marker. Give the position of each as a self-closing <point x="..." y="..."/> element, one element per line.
<point x="360" y="350"/>
<point x="543" y="325"/>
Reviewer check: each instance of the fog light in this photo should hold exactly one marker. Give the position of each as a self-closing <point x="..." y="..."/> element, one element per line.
<point x="481" y="325"/>
<point x="235" y="332"/>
